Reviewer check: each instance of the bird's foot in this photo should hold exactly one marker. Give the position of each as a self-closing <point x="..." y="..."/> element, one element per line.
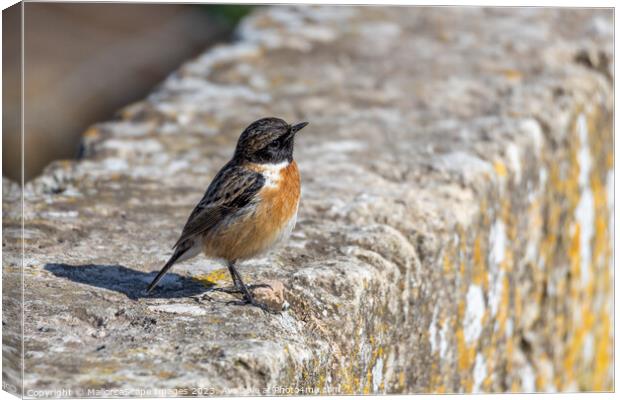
<point x="202" y="297"/>
<point x="229" y="290"/>
<point x="239" y="290"/>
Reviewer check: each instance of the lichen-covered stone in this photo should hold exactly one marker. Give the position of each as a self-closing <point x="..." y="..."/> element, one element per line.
<point x="454" y="232"/>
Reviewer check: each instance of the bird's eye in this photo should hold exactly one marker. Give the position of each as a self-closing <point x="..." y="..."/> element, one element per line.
<point x="274" y="144"/>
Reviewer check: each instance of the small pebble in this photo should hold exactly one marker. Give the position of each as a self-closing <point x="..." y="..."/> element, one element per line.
<point x="272" y="296"/>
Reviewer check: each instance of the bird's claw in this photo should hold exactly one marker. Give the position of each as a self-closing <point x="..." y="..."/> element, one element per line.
<point x="237" y="290"/>
<point x="229" y="290"/>
<point x="203" y="297"/>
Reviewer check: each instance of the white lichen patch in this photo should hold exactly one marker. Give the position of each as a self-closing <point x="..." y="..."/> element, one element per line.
<point x="377" y="375"/>
<point x="543" y="175"/>
<point x="497" y="242"/>
<point x="474" y="313"/>
<point x="480" y="372"/>
<point x="584" y="214"/>
<point x="444" y="344"/>
<point x="497" y="253"/>
<point x="588" y="347"/>
<point x="514" y="159"/>
<point x="183" y="309"/>
<point x="528" y="379"/>
<point x="432" y="331"/>
<point x="583" y="157"/>
<point x="532" y="128"/>
<point x="509" y="327"/>
<point x="495" y="292"/>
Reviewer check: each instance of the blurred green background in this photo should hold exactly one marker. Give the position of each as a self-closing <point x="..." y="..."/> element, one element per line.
<point x="83" y="62"/>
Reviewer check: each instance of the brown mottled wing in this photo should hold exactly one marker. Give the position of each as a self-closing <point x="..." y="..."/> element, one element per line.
<point x="232" y="189"/>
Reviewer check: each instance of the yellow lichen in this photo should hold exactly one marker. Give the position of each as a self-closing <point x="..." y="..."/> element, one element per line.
<point x="213" y="277"/>
<point x="500" y="169"/>
<point x="513" y="74"/>
<point x="465" y="359"/>
<point x="603" y="355"/>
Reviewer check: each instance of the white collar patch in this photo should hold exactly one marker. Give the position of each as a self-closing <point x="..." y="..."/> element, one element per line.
<point x="271" y="172"/>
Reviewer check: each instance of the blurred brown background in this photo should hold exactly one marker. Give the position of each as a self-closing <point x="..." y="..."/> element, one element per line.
<point x="85" y="61"/>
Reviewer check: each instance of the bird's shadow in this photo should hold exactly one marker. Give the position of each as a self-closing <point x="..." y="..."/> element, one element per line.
<point x="127" y="281"/>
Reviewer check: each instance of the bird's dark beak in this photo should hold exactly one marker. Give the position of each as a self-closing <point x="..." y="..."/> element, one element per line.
<point x="298" y="127"/>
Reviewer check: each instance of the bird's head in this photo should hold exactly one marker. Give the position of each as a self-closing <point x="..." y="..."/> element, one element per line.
<point x="267" y="140"/>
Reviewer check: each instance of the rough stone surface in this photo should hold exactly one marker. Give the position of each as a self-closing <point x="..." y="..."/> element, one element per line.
<point x="454" y="232"/>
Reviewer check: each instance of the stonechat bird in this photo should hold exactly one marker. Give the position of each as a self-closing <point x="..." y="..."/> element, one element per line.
<point x="249" y="207"/>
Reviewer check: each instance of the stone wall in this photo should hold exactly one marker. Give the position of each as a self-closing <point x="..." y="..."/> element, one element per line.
<point x="454" y="233"/>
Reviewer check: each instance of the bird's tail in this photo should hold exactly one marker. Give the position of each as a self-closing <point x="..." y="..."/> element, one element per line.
<point x="175" y="256"/>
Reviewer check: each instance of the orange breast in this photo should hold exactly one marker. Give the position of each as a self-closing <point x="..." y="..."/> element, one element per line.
<point x="279" y="203"/>
<point x="270" y="223"/>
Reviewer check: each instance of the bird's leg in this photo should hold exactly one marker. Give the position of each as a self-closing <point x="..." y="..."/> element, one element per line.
<point x="247" y="296"/>
<point x="236" y="287"/>
<point x="233" y="276"/>
<point x="235" y="279"/>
